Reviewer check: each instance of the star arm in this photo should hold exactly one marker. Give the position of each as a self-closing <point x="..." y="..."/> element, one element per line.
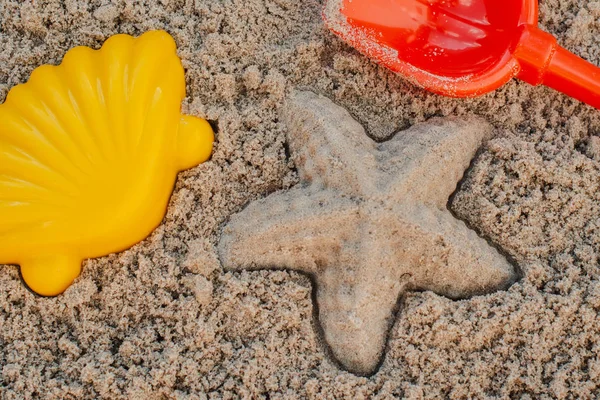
<point x="426" y="162"/>
<point x="356" y="310"/>
<point x="450" y="259"/>
<point x="300" y="229"/>
<point x="330" y="148"/>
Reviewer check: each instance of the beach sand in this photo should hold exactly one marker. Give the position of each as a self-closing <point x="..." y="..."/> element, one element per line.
<point x="163" y="320"/>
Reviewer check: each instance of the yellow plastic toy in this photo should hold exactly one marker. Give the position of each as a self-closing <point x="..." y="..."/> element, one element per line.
<point x="89" y="154"/>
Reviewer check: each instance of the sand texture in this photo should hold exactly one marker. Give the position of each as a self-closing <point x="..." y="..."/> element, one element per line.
<point x="368" y="222"/>
<point x="164" y="320"/>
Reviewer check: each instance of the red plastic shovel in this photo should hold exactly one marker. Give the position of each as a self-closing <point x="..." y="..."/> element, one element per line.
<point x="463" y="48"/>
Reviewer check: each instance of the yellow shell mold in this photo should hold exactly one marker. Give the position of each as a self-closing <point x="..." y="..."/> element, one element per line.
<point x="89" y="154"/>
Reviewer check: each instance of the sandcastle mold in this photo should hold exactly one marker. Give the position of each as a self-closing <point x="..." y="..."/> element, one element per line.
<point x="90" y="151"/>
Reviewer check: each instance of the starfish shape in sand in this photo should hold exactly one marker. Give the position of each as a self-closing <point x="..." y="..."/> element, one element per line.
<point x="369" y="223"/>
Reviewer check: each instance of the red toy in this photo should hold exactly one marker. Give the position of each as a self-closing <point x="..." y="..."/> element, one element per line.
<point x="463" y="48"/>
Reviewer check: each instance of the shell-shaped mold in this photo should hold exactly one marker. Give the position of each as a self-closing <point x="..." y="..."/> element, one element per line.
<point x="89" y="154"/>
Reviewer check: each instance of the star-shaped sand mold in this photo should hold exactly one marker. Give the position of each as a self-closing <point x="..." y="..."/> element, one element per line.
<point x="368" y="222"/>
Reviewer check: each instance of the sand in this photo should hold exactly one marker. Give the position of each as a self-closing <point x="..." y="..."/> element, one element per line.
<point x="163" y="320"/>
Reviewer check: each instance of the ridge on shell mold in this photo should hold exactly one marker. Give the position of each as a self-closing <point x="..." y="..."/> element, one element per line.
<point x="90" y="151"/>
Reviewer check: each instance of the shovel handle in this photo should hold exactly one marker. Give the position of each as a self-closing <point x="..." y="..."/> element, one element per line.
<point x="543" y="61"/>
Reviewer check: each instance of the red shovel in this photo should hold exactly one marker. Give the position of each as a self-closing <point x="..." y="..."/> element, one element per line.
<point x="462" y="48"/>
